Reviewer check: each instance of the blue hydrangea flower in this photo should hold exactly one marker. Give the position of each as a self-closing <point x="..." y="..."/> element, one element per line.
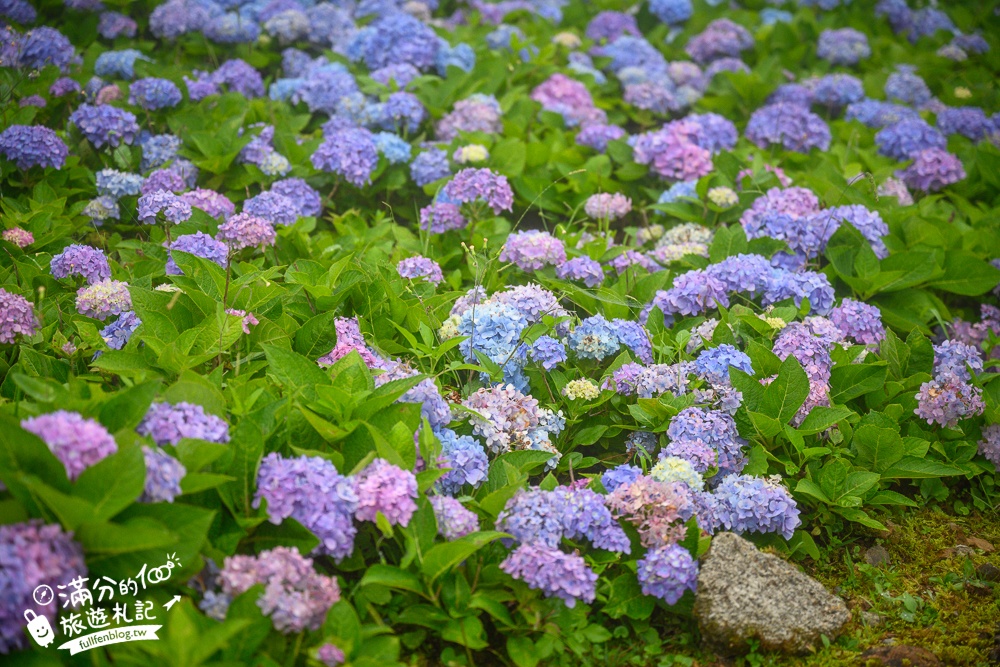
<point x="714" y="363"/>
<point x="466" y="459"/>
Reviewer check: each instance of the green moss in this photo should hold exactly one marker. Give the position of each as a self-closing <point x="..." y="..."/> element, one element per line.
<point x="928" y="595"/>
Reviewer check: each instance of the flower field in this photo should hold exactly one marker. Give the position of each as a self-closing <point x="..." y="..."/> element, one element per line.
<point x="373" y="332"/>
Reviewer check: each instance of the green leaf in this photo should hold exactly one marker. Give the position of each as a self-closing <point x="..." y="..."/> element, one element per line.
<point x="728" y="241"/>
<point x="113" y="483"/>
<point x="522" y="651"/>
<point x="891" y="498"/>
<point x="911" y="467"/>
<point x="859" y="516"/>
<point x="877" y="448"/>
<point x="127" y="408"/>
<point x="810" y="488"/>
<point x="466" y="631"/>
<point x="292" y="370"/>
<point x="821" y="418"/>
<point x="443" y="557"/>
<point x="966" y="274"/>
<point x="783" y="397"/>
<point x="852" y="380"/>
<point x="627" y="599"/>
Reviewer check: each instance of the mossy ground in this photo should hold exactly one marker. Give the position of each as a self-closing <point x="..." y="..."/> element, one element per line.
<point x="930" y="594"/>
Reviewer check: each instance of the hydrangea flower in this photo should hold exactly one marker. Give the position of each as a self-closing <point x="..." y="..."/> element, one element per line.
<point x="553" y="572"/>
<point x="547" y="351"/>
<point x="163" y="476"/>
<point x="81" y="260"/>
<point x="350" y="153"/>
<point x="788" y="125"/>
<point x="118" y="333"/>
<point x="932" y="170"/>
<point x="606" y="206"/>
<point x="32" y="553"/>
<point x="904" y="139"/>
<point x="30" y="146"/>
<point x="465" y="458"/>
<point x="845" y="46"/>
<point x="430" y="165"/>
<point x="246" y="231"/>
<point x="754" y="505"/>
<point x="22" y="238"/>
<point x="657" y="509"/>
<point x="105" y="125"/>
<point x="479" y="185"/>
<point x="582" y="389"/>
<point x="311" y="491"/>
<point x="714" y="363"/>
<point x="174" y="209"/>
<point x="860" y="321"/>
<point x="666" y="572"/>
<point x="295" y="596"/>
<point x="715" y="429"/>
<point x="583" y="269"/>
<point x="419" y="267"/>
<point x="103" y="299"/>
<point x="76" y="441"/>
<point x="453" y="519"/>
<point x="533" y="250"/>
<point x="989" y="446"/>
<point x="305" y="200"/>
<point x="477" y="113"/>
<point x="168" y="423"/>
<point x="153" y="93"/>
<point x="386" y="489"/>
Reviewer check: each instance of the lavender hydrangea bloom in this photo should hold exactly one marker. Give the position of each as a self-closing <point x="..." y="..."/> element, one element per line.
<point x="597" y="135"/>
<point x="118" y="64"/>
<point x="549" y="570"/>
<point x="43" y="46"/>
<point x="584" y="269"/>
<point x="81" y="260"/>
<point x="429" y="165"/>
<point x="214" y="203"/>
<point x="118" y="184"/>
<point x="402" y="112"/>
<point x="876" y="113"/>
<point x="105" y="125"/>
<point x="311" y="491"/>
<point x="548" y="352"/>
<point x="533" y="250"/>
<point x="477" y="113"/>
<point x="18" y="11"/>
<point x="836" y="91"/>
<point x="480" y="185"/>
<point x="394" y="39"/>
<point x="32" y="554"/>
<point x="845" y="46"/>
<point x="295" y="596"/>
<point x="904" y="139"/>
<point x="163" y="476"/>
<point x="174" y="209"/>
<point x="78" y="442"/>
<point x="466" y="459"/>
<point x="720" y="38"/>
<point x="932" y="170"/>
<point x="789" y="125"/>
<point x="989" y="446"/>
<point x="907" y="87"/>
<point x="619" y="476"/>
<point x="754" y="505"/>
<point x="671" y="12"/>
<point x="350" y="153"/>
<point x="418" y="267"/>
<point x="114" y="24"/>
<point x="118" y="333"/>
<point x="947" y="399"/>
<point x="153" y="94"/>
<point x="246" y="231"/>
<point x="17" y="317"/>
<point x="329" y="654"/>
<point x="714" y="363"/>
<point x="504" y="416"/>
<point x="22" y="238"/>
<point x="713" y="428"/>
<point x="607" y="206"/>
<point x="304" y="198"/>
<point x="970" y="122"/>
<point x="386" y="489"/>
<point x="63" y="86"/>
<point x="954" y="358"/>
<point x="168" y="423"/>
<point x="666" y="572"/>
<point x="859" y="320"/>
<point x="271" y="206"/>
<point x="33" y="145"/>
<point x="453" y="519"/>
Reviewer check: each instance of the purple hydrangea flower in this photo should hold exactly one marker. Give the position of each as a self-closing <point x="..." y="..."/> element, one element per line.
<point x="246" y="231"/>
<point x="466" y="459"/>
<point x="478" y="113"/>
<point x="153" y="94"/>
<point x="713" y="428"/>
<point x="609" y="26"/>
<point x="418" y="267"/>
<point x="105" y="125"/>
<point x="720" y="38"/>
<point x="989" y="446"/>
<point x="441" y="217"/>
<point x="17" y="317"/>
<point x="594" y="338"/>
<point x="118" y="184"/>
<point x="304" y="198"/>
<point x="311" y="491"/>
<point x="788" y="125"/>
<point x="619" y="476"/>
<point x="295" y="596"/>
<point x="174" y="209"/>
<point x="386" y="489"/>
<point x="754" y="505"/>
<point x="597" y="135"/>
<point x="349" y="339"/>
<point x="714" y="363"/>
<point x="584" y="269"/>
<point x="168" y="423"/>
<point x="607" y="206"/>
<point x="114" y="24"/>
<point x="907" y="87"/>
<point x="349" y="153"/>
<point x="214" y="203"/>
<point x="970" y="122"/>
<point x="932" y="170"/>
<point x="33" y="145"/>
<point x="453" y="519"/>
<point x="954" y="358"/>
<point x="118" y="333"/>
<point x="43" y="46"/>
<point x="553" y="572"/>
<point x="22" y="238"/>
<point x="63" y="86"/>
<point x="672" y="153"/>
<point x="533" y="250"/>
<point x="163" y="476"/>
<point x="394" y="39"/>
<point x="548" y="352"/>
<point x="947" y="399"/>
<point x="903" y="140"/>
<point x="666" y="572"/>
<point x="81" y="260"/>
<point x="200" y="244"/>
<point x="32" y="554"/>
<point x="472" y="185"/>
<point x="860" y="321"/>
<point x="876" y="113"/>
<point x="429" y="165"/>
<point x="273" y="207"/>
<point x="568" y="98"/>
<point x="845" y="46"/>
<point x="78" y="442"/>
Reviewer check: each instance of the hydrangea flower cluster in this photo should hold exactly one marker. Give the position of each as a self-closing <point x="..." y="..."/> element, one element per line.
<point x="200" y="244"/>
<point x="103" y="299"/>
<point x="33" y="146"/>
<point x="168" y="423"/>
<point x="755" y="505"/>
<point x="295" y="597"/>
<point x="118" y="333"/>
<point x="17" y="317"/>
<point x="105" y="125"/>
<point x="246" y="231"/>
<point x="464" y="457"/>
<point x="949" y="396"/>
<point x="32" y="554"/>
<point x="419" y="267"/>
<point x="606" y="206"/>
<point x="163" y="476"/>
<point x="383" y="488"/>
<point x="553" y="572"/>
<point x="81" y="260"/>
<point x="76" y="441"/>
<point x="533" y="250"/>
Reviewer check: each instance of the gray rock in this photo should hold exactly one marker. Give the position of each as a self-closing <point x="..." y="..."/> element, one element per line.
<point x="877" y="556"/>
<point x="745" y="594"/>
